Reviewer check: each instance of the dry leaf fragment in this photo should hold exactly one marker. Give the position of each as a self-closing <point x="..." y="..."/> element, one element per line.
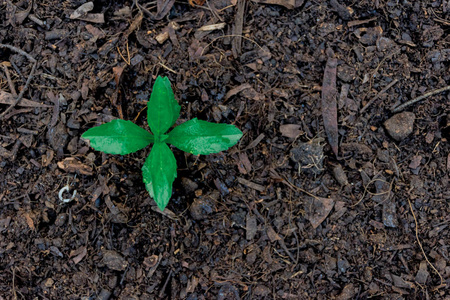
<point x="22" y="15"/>
<point x="163" y="8"/>
<point x="273" y="236"/>
<point x="93" y="18"/>
<point x="290" y="130"/>
<point x="96" y="32"/>
<point x="317" y="209"/>
<point x="237" y="90"/>
<point x="118" y="70"/>
<point x="71" y="165"/>
<point x="82" y="10"/>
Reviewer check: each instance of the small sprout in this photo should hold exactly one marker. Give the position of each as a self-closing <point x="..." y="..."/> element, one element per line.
<point x="160" y="168"/>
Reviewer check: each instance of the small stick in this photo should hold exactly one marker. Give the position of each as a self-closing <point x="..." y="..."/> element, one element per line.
<point x="10" y="83"/>
<point x="31" y="58"/>
<point x="166" y="67"/>
<point x="21" y="92"/>
<point x="420" y="98"/>
<point x="378" y="95"/>
<point x="420" y="244"/>
<point x="161" y="292"/>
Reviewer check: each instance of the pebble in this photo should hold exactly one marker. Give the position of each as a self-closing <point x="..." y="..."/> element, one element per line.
<point x="114" y="260"/>
<point x="400" y="125"/>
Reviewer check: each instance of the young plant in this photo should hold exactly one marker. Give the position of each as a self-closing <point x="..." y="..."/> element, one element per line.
<point x="160" y="167"/>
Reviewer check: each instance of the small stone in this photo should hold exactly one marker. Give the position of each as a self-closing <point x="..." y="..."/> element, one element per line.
<point x="114" y="260"/>
<point x="400" y="125"/>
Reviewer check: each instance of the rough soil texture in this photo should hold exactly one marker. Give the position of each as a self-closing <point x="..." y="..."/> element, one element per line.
<point x="332" y="193"/>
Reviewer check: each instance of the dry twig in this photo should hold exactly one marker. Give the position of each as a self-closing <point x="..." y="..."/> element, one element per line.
<point x="34" y="61"/>
<point x="420" y="244"/>
<point x="420" y="98"/>
<point x="378" y="95"/>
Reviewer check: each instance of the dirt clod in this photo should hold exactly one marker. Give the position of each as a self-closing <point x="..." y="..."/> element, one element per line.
<point x="309" y="156"/>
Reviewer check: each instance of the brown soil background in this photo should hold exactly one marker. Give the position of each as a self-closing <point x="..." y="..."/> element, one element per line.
<point x="278" y="216"/>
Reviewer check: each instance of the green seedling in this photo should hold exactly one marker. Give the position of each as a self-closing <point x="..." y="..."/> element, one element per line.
<point x="160" y="168"/>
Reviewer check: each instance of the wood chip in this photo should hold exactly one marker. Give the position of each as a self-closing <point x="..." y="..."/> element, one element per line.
<point x="255" y="142"/>
<point x="212" y="27"/>
<point x="244" y="164"/>
<point x="82" y="10"/>
<point x="252" y="185"/>
<point x="71" y="165"/>
<point x="9" y="99"/>
<point x="78" y="254"/>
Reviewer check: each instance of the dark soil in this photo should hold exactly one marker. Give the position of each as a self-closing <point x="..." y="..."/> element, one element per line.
<point x="330" y="194"/>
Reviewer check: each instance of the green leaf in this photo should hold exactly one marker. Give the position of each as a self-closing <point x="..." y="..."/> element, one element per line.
<point x="159" y="172"/>
<point x="162" y="109"/>
<point x="201" y="137"/>
<point x="118" y="137"/>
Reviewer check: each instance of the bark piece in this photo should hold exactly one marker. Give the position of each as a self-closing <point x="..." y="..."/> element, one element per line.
<point x="329" y="106"/>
